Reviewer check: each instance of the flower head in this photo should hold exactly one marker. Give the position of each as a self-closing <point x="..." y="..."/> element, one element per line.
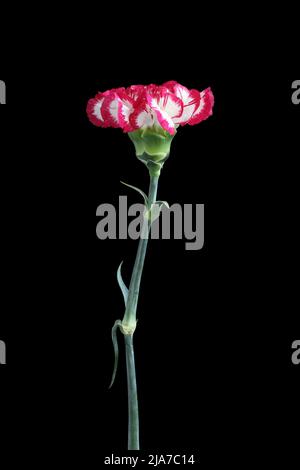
<point x="142" y="107"/>
<point x="150" y="115"/>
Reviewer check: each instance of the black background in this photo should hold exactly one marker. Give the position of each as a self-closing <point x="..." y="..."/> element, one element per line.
<point x="213" y="343"/>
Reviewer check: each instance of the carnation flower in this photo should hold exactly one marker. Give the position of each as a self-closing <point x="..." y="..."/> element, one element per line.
<point x="150" y="115"/>
<point x="142" y="107"/>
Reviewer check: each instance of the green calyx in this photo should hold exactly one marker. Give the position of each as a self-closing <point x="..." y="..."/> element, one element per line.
<point x="152" y="144"/>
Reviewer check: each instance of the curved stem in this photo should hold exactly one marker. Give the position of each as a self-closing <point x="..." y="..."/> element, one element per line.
<point x="133" y="410"/>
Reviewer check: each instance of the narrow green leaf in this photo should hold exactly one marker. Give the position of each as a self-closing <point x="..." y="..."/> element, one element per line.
<point x="122" y="284"/>
<point x="155" y="210"/>
<point x="116" y="349"/>
<point x="138" y="190"/>
<point x="163" y="203"/>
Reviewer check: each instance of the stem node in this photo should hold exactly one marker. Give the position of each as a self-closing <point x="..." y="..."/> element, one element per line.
<point x="128" y="328"/>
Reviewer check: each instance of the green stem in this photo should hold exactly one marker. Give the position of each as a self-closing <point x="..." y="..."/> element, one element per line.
<point x="133" y="410"/>
<point x="129" y="319"/>
<point x="129" y="323"/>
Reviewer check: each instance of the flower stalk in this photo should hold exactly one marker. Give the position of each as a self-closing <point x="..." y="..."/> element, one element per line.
<point x="133" y="408"/>
<point x="129" y="320"/>
<point x="128" y="324"/>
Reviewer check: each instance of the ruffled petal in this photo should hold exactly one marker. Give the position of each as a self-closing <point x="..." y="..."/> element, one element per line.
<point x="124" y="114"/>
<point x="190" y="100"/>
<point x="181" y="92"/>
<point x="166" y="106"/>
<point x="205" y="108"/>
<point x="94" y="110"/>
<point x="125" y="108"/>
<point x="141" y="117"/>
<point x="135" y="92"/>
<point x="129" y="101"/>
<point x="163" y="117"/>
<point x="110" y="110"/>
<point x="170" y="85"/>
<point x="171" y="104"/>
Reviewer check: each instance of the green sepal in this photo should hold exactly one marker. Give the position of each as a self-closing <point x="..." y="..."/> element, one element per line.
<point x="152" y="142"/>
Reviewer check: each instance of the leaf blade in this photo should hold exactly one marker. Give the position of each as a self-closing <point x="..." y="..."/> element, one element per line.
<point x="154" y="212"/>
<point x="116" y="350"/>
<point x="138" y="190"/>
<point x="122" y="285"/>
